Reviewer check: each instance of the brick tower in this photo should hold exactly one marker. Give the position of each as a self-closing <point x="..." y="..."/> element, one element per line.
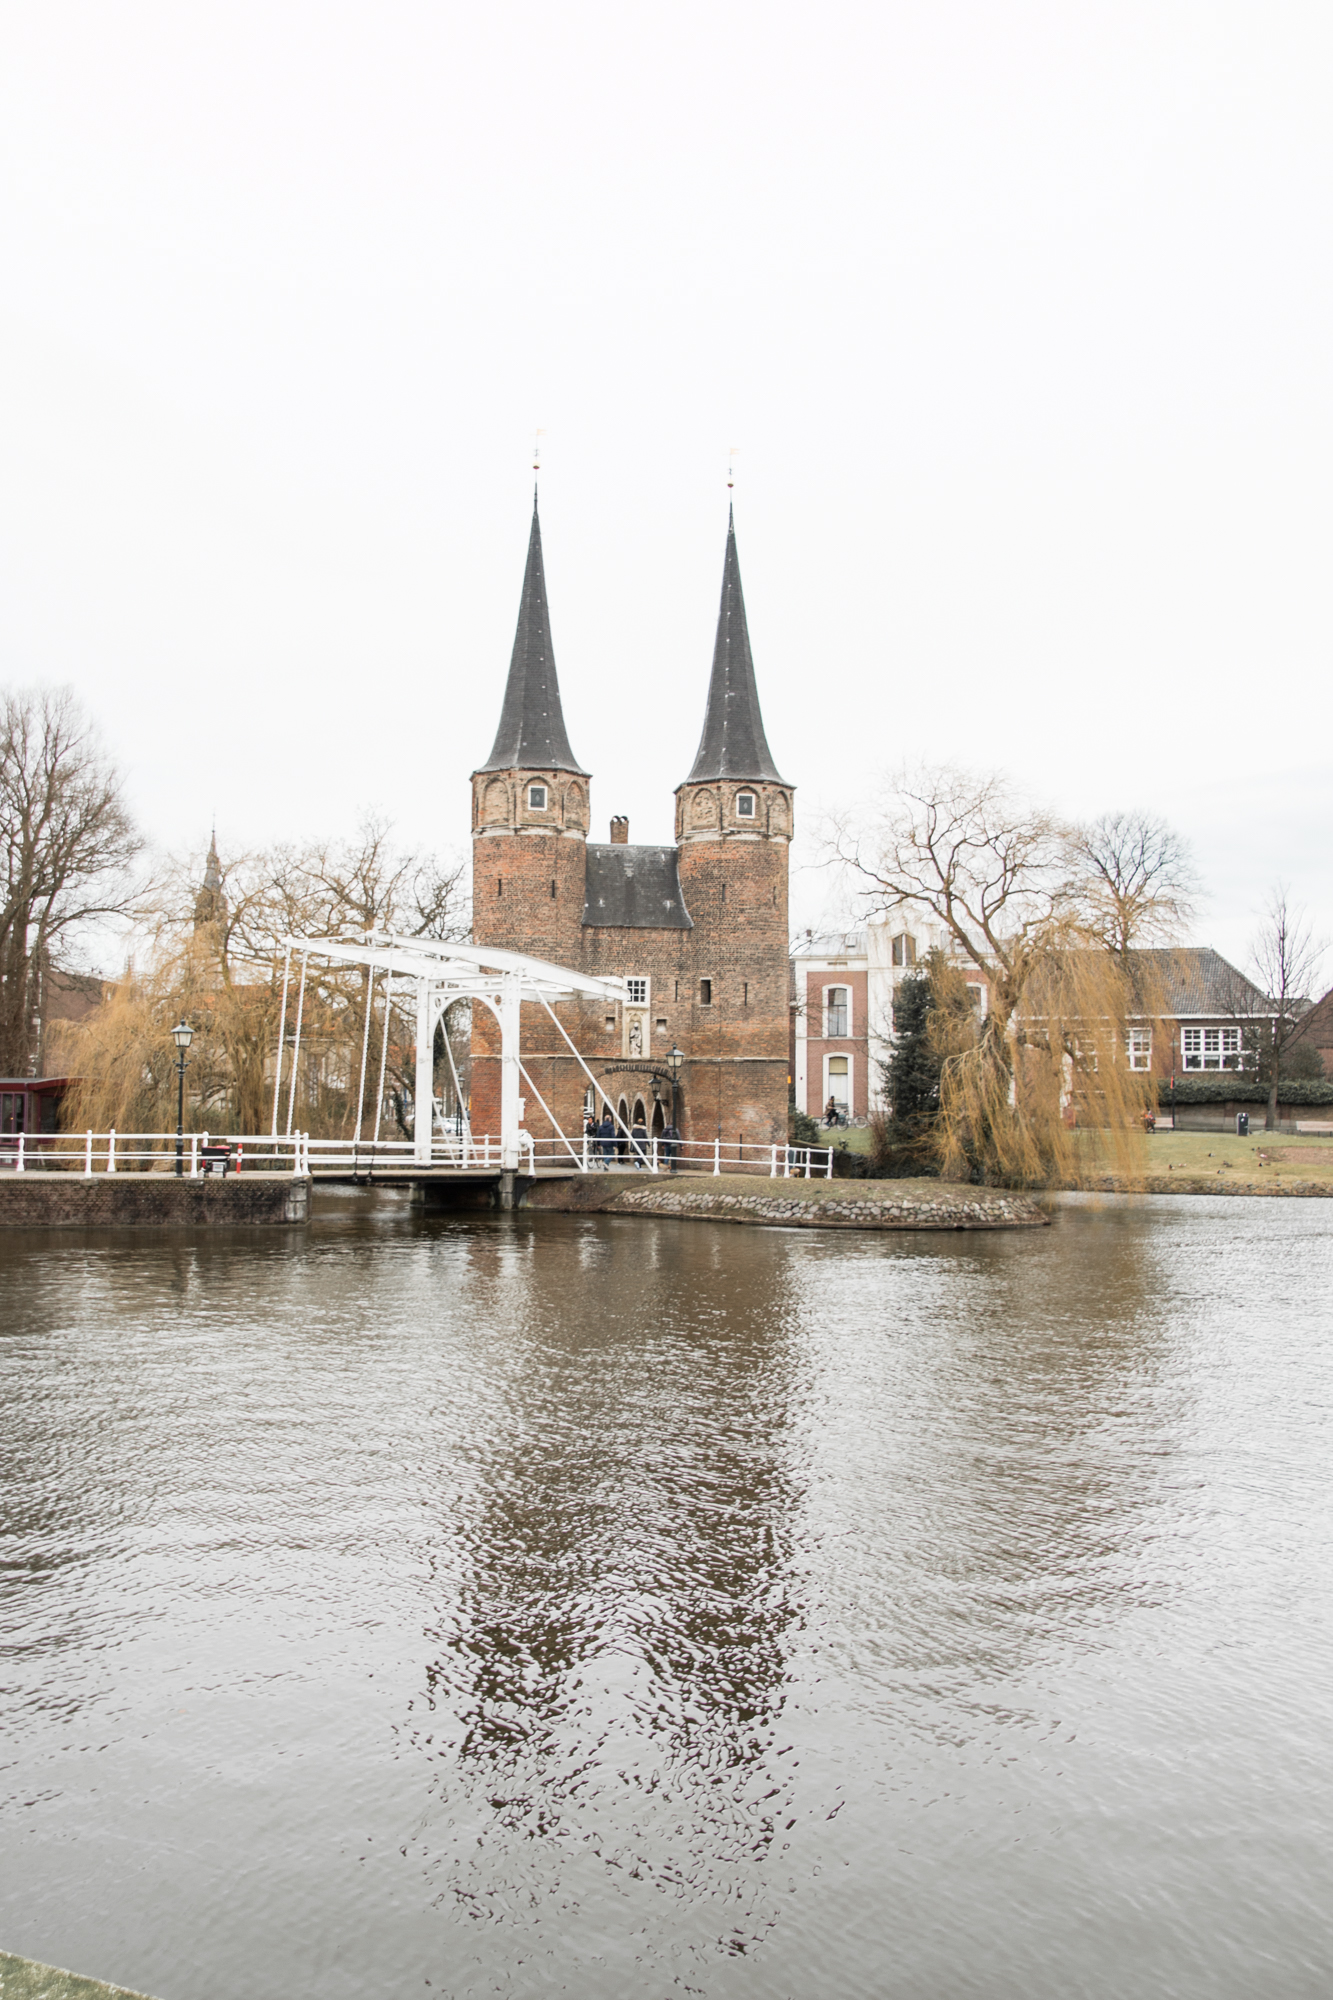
<point x="733" y="827"/>
<point x="529" y="826"/>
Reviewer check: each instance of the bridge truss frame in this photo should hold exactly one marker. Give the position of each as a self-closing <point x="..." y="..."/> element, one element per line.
<point x="440" y="975"/>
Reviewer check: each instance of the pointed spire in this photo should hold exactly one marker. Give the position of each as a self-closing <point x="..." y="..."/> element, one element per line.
<point x="210" y="903"/>
<point x="733" y="744"/>
<point x="531" y="736"/>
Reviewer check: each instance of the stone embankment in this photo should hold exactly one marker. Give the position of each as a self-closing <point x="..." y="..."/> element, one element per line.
<point x="915" y="1204"/>
<point x="25" y="1979"/>
<point x="119" y="1201"/>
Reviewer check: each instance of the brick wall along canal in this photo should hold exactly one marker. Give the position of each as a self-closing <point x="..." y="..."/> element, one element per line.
<point x="534" y="1604"/>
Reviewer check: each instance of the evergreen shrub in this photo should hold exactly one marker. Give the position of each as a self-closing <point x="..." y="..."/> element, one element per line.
<point x="1230" y="1088"/>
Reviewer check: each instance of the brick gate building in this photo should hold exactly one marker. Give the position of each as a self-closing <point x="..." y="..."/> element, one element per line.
<point x="698" y="929"/>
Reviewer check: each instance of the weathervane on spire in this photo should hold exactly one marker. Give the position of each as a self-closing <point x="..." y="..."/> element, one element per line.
<point x="731" y="467"/>
<point x="537" y="451"/>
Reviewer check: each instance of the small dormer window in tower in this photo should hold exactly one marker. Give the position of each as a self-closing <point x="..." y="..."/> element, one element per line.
<point x="746" y="805"/>
<point x="537" y="798"/>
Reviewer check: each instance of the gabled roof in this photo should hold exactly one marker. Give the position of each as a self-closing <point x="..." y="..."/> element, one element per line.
<point x="1196" y="980"/>
<point x="531" y="736"/>
<point x="634" y="888"/>
<point x="733" y="744"/>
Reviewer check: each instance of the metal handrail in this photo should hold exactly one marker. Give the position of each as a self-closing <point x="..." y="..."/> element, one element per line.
<point x="111" y="1152"/>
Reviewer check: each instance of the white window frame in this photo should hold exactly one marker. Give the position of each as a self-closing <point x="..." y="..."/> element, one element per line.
<point x="1139" y="1048"/>
<point x="753" y="813"/>
<point x="840" y="1055"/>
<point x="545" y="791"/>
<point x="903" y="938"/>
<point x="637" y="991"/>
<point x="1218" y="1047"/>
<point x="841" y="987"/>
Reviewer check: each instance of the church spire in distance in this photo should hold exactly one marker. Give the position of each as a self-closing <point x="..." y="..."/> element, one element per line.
<point x="532" y="735"/>
<point x="733" y="744"/>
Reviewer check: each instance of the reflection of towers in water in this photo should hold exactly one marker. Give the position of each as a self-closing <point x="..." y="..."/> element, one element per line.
<point x="614" y="1653"/>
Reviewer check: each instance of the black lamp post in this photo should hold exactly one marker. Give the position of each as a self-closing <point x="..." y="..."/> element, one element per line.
<point x="182" y="1035"/>
<point x="675" y="1062"/>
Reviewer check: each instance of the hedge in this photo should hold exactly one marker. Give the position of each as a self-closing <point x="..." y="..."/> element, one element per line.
<point x="1229" y="1088"/>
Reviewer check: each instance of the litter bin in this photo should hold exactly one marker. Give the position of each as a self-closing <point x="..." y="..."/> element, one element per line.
<point x="215" y="1159"/>
<point x="1242" y="1124"/>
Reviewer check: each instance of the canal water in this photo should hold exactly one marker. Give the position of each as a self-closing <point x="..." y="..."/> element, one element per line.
<point x="615" y="1608"/>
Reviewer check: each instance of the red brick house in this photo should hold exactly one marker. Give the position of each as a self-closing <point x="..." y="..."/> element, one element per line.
<point x="831" y="1044"/>
<point x="698" y="929"/>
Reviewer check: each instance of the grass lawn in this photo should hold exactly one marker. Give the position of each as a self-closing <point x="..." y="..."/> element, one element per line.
<point x="818" y="1189"/>
<point x="856" y="1138"/>
<point x="1282" y="1156"/>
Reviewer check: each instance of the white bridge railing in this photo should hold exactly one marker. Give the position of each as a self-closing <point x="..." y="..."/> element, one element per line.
<point x="114" y="1152"/>
<point x="682" y="1156"/>
<point x="90" y="1153"/>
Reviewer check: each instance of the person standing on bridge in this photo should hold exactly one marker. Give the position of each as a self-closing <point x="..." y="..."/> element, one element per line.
<point x="638" y="1134"/>
<point x="606" y="1140"/>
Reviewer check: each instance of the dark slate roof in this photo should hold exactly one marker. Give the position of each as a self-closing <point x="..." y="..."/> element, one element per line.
<point x="733" y="744"/>
<point x="531" y="736"/>
<point x="1195" y="979"/>
<point x="634" y="888"/>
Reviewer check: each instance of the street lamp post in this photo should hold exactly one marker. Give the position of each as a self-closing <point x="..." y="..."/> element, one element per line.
<point x="675" y="1062"/>
<point x="182" y="1035"/>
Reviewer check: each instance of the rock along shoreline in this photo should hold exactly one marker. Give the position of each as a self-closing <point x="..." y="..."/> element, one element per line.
<point x="792" y="1204"/>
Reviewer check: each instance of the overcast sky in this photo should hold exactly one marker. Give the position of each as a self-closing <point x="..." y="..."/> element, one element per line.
<point x="1018" y="315"/>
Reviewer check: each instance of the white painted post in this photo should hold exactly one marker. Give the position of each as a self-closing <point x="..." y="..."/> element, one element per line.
<point x="111" y="1151"/>
<point x="585" y="1148"/>
<point x="717" y="1156"/>
<point x="296" y="1043"/>
<point x="786" y="1163"/>
<point x="282" y="1037"/>
<point x="773" y="1170"/>
<point x="509" y="1077"/>
<point x="18" y="1157"/>
<point x="809" y="1151"/>
<point x="194" y="1154"/>
<point x="88" y="1155"/>
<point x="828" y="1170"/>
<point x="654" y="1152"/>
<point x="425" y="1075"/>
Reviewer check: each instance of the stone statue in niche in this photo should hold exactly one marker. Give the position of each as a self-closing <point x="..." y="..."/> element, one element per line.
<point x="636" y="1034"/>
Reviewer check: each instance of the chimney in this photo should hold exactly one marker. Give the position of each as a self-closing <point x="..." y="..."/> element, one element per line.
<point x="620" y="830"/>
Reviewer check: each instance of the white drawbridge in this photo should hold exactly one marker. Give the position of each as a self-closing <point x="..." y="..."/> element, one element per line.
<point x="437" y="975"/>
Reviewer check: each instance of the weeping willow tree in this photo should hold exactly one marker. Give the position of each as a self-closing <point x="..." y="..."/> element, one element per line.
<point x="1036" y="1083"/>
<point x="213" y="959"/>
<point x="124" y="1058"/>
<point x="1045" y="1096"/>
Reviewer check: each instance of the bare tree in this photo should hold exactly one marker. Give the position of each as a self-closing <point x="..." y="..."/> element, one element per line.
<point x="1285" y="958"/>
<point x="66" y="842"/>
<point x="989" y="867"/>
<point x="992" y="871"/>
<point x="218" y="961"/>
<point x="1134" y="880"/>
